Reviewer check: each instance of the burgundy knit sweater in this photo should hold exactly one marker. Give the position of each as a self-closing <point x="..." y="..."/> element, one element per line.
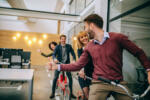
<point x="107" y="58"/>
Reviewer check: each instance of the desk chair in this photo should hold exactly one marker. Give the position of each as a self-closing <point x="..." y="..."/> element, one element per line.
<point x="16" y="62"/>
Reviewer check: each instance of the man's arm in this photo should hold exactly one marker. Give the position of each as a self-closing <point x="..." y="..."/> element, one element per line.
<point x="72" y="53"/>
<point x="81" y="62"/>
<point x="137" y="52"/>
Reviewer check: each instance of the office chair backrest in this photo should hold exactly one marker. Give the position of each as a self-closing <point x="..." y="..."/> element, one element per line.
<point x="16" y="61"/>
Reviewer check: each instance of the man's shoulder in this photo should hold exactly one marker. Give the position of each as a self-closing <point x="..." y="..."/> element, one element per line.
<point x="68" y="45"/>
<point x="58" y="46"/>
<point x="115" y="34"/>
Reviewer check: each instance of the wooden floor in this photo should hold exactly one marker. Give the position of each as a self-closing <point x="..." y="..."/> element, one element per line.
<point x="43" y="82"/>
<point x="41" y="86"/>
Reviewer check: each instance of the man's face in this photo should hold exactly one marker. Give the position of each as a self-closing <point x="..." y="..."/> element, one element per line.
<point x="89" y="30"/>
<point x="63" y="40"/>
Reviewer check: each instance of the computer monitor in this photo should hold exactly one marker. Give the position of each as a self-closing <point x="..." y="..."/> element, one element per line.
<point x="14" y="51"/>
<point x="20" y="51"/>
<point x="6" y="53"/>
<point x="26" y="56"/>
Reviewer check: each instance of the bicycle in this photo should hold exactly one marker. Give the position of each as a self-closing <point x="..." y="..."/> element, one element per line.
<point x="134" y="96"/>
<point x="63" y="87"/>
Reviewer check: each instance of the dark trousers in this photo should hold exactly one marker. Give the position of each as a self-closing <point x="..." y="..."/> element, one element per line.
<point x="56" y="75"/>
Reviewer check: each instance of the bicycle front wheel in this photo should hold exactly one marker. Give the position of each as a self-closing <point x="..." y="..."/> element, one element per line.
<point x="66" y="94"/>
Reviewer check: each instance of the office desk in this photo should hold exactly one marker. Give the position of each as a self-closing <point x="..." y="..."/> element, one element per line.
<point x="4" y="63"/>
<point x="19" y="75"/>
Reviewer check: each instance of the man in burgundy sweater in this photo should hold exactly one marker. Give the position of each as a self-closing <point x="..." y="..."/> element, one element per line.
<point x="106" y="50"/>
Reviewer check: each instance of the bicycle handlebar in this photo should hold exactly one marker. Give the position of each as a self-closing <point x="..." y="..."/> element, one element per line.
<point x="134" y="96"/>
<point x="104" y="80"/>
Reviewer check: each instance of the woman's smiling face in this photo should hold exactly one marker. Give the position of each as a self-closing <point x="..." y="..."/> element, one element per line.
<point x="84" y="39"/>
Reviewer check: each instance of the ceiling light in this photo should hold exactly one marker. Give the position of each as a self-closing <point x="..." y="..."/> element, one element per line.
<point x="44" y="36"/>
<point x="26" y="38"/>
<point x="18" y="35"/>
<point x="40" y="41"/>
<point x="29" y="42"/>
<point x="14" y="38"/>
<point x="34" y="39"/>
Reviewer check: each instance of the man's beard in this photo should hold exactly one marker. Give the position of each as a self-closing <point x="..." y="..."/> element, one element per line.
<point x="91" y="34"/>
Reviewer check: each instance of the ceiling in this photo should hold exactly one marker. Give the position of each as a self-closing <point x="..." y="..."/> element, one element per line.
<point x="39" y="5"/>
<point x="36" y="5"/>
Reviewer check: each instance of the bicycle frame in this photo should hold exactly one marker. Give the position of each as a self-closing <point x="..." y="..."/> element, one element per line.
<point x="134" y="96"/>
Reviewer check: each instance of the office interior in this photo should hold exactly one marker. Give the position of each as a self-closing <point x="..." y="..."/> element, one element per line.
<point x="29" y="25"/>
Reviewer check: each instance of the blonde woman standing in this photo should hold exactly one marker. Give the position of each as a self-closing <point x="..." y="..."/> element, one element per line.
<point x="82" y="41"/>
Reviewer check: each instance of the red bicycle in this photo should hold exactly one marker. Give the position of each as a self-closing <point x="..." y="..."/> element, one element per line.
<point x="63" y="88"/>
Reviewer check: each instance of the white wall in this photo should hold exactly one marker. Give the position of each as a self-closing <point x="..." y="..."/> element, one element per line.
<point x="139" y="34"/>
<point x="35" y="25"/>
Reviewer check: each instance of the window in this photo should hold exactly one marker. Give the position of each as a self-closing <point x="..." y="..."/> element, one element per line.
<point x="120" y="6"/>
<point x="132" y="18"/>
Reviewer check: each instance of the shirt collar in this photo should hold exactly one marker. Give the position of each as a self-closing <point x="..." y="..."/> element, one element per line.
<point x="106" y="35"/>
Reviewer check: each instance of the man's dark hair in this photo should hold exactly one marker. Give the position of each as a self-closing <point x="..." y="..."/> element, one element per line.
<point x="62" y="36"/>
<point x="54" y="43"/>
<point x="96" y="19"/>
